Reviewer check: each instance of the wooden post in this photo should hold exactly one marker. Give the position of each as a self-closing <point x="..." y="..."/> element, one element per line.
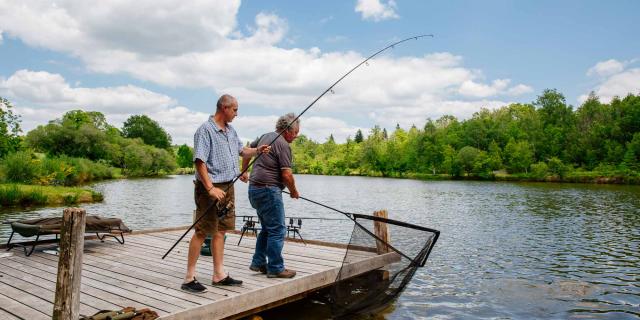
<point x="67" y="300"/>
<point x="381" y="231"/>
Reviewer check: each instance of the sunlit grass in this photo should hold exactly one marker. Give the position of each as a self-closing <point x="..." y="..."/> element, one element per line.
<point x="27" y="195"/>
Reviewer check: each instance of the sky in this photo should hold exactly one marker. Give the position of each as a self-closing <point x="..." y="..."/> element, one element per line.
<point x="172" y="59"/>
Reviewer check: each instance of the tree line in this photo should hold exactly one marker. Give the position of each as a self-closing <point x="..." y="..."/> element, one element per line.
<point x="82" y="146"/>
<point x="542" y="140"/>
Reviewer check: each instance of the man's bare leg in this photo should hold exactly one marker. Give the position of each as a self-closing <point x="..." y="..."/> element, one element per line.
<point x="217" y="250"/>
<point x="194" y="253"/>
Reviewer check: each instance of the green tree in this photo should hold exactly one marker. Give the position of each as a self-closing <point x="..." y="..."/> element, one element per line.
<point x="519" y="156"/>
<point x="467" y="158"/>
<point x="358" y="138"/>
<point x="558" y="123"/>
<point x="9" y="128"/>
<point x="147" y="129"/>
<point x="185" y="157"/>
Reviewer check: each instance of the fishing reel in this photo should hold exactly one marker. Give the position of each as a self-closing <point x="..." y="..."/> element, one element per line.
<point x="223" y="208"/>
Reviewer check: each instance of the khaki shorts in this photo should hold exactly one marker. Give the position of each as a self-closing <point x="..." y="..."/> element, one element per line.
<point x="210" y="223"/>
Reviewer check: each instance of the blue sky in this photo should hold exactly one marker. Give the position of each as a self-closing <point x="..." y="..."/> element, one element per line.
<point x="172" y="59"/>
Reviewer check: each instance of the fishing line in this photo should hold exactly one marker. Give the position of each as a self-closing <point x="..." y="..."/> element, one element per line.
<point x="329" y="89"/>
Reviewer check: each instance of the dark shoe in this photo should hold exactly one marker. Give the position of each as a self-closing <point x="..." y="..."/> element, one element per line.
<point x="228" y="281"/>
<point x="194" y="286"/>
<point x="284" y="274"/>
<point x="261" y="269"/>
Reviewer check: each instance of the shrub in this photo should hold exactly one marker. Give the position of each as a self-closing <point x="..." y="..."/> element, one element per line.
<point x="539" y="170"/>
<point x="19" y="167"/>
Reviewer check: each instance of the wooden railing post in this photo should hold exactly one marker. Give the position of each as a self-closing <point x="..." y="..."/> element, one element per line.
<point x="381" y="231"/>
<point x="67" y="300"/>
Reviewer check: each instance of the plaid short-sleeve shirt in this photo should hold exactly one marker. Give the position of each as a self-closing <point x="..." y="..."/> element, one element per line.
<point x="219" y="150"/>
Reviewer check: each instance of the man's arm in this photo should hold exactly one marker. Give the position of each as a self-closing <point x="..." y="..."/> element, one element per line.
<point x="214" y="192"/>
<point x="289" y="182"/>
<point x="248" y="153"/>
<point x="245" y="164"/>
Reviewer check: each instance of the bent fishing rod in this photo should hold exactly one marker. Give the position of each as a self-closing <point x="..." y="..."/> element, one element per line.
<point x="329" y="89"/>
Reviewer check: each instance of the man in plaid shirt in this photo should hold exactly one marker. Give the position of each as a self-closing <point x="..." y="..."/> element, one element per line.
<point x="216" y="151"/>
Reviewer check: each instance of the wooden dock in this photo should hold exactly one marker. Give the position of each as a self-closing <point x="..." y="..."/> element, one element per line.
<point x="115" y="276"/>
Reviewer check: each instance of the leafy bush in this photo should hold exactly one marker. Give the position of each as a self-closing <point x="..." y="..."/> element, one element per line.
<point x="19" y="167"/>
<point x="539" y="170"/>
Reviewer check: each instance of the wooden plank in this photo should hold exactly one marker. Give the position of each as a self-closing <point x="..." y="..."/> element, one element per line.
<point x="242" y="263"/>
<point x="85" y="288"/>
<point x="175" y="267"/>
<point x="7" y="316"/>
<point x="67" y="297"/>
<point x="137" y="288"/>
<point x="147" y="299"/>
<point x="27" y="299"/>
<point x="238" y="262"/>
<point x="15" y="307"/>
<point x="38" y="291"/>
<point x="297" y="257"/>
<point x="236" y="304"/>
<point x="150" y="275"/>
<point x="51" y="285"/>
<point x="245" y="254"/>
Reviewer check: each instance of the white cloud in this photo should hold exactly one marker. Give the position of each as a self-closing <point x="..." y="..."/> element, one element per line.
<point x="606" y="68"/>
<point x="45" y="96"/>
<point x="155" y="27"/>
<point x="617" y="85"/>
<point x="614" y="80"/>
<point x="217" y="55"/>
<point x="1" y="37"/>
<point x="376" y="10"/>
<point x="519" y="89"/>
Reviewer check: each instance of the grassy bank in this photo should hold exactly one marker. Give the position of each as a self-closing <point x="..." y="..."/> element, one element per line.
<point x="576" y="176"/>
<point x="28" y="195"/>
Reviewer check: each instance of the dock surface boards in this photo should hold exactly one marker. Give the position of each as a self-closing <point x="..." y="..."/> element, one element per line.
<point x="115" y="276"/>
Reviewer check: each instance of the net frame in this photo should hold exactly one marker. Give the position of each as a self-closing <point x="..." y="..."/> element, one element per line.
<point x="373" y="290"/>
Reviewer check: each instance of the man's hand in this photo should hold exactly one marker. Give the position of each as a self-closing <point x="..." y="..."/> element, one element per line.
<point x="294" y="194"/>
<point x="244" y="177"/>
<point x="264" y="148"/>
<point x="216" y="193"/>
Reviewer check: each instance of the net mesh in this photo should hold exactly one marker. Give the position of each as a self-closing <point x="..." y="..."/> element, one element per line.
<point x="394" y="259"/>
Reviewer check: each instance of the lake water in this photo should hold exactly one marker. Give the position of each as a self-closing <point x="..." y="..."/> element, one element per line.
<point x="506" y="250"/>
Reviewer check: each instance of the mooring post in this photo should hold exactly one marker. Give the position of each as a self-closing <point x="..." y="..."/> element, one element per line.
<point x="67" y="300"/>
<point x="381" y="231"/>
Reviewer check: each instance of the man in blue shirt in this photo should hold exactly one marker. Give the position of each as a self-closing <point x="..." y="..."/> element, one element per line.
<point x="216" y="151"/>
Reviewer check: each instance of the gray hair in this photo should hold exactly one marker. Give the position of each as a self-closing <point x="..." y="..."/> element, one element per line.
<point x="225" y="100"/>
<point x="286" y="121"/>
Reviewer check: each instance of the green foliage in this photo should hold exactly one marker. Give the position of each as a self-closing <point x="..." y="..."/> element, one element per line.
<point x="543" y="140"/>
<point x="12" y="195"/>
<point x="467" y="157"/>
<point x="19" y="167"/>
<point x="359" y="137"/>
<point x="25" y="167"/>
<point x="9" y="128"/>
<point x="147" y="129"/>
<point x="519" y="156"/>
<point x="81" y="134"/>
<point x="539" y="170"/>
<point x="185" y="157"/>
<point x="556" y="167"/>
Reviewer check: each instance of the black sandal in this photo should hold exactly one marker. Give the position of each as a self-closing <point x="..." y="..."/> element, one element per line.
<point x="228" y="281"/>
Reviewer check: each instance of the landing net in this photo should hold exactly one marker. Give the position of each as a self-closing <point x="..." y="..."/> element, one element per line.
<point x="399" y="258"/>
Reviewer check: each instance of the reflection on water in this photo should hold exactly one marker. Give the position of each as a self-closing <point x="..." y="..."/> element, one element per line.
<point x="507" y="250"/>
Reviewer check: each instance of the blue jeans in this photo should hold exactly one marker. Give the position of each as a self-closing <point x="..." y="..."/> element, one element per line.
<point x="270" y="209"/>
